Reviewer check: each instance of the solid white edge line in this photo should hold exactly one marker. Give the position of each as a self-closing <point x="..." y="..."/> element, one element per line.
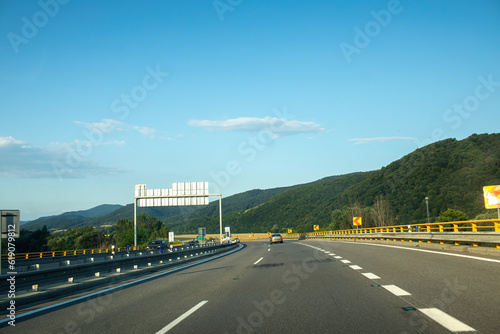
<point x="258" y="260"/>
<point x="396" y="290"/>
<point x="425" y="251"/>
<point x="182" y="317"/>
<point x="105" y="291"/>
<point x="446" y="320"/>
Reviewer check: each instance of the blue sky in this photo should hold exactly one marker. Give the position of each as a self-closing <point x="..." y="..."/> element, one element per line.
<point x="100" y="95"/>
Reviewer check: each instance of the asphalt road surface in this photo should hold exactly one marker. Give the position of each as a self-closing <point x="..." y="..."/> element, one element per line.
<point x="304" y="286"/>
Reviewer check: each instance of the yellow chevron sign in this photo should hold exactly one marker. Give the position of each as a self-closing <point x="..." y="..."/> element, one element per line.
<point x="491" y="197"/>
<point x="316" y="227"/>
<point x="356" y="221"/>
<point x="289" y="230"/>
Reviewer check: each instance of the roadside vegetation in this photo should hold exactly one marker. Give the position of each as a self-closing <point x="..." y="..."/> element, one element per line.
<point x="89" y="237"/>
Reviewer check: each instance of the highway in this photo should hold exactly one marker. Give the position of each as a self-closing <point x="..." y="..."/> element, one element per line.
<point x="306" y="286"/>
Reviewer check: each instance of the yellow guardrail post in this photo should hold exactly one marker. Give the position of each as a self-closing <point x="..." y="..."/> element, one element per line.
<point x="497" y="229"/>
<point x="474" y="229"/>
<point x="441" y="229"/>
<point x="455" y="229"/>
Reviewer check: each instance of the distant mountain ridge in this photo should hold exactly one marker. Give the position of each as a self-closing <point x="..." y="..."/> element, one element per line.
<point x="107" y="214"/>
<point x="72" y="216"/>
<point x="450" y="172"/>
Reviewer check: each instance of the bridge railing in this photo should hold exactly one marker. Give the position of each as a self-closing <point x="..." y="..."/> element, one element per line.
<point x="475" y="232"/>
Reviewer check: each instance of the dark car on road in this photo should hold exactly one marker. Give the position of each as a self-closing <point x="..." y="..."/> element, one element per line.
<point x="157" y="244"/>
<point x="193" y="243"/>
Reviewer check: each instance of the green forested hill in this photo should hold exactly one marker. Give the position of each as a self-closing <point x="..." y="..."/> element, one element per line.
<point x="450" y="172"/>
<point x="300" y="206"/>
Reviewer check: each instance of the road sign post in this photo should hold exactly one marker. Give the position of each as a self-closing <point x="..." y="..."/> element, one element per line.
<point x="10" y="227"/>
<point x="356" y="221"/>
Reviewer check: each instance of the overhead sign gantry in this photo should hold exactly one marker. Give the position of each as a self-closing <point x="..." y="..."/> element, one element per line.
<point x="181" y="194"/>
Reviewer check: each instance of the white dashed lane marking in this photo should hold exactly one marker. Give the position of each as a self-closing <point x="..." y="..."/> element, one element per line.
<point x="435" y="314"/>
<point x="446" y="320"/>
<point x="370" y="276"/>
<point x="182" y="317"/>
<point x="396" y="290"/>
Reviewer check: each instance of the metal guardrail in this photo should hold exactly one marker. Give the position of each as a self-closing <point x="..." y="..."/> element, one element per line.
<point x="118" y="260"/>
<point x="33" y="255"/>
<point x="51" y="282"/>
<point x="475" y="232"/>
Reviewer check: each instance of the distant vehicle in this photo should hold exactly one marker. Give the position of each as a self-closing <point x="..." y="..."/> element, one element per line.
<point x="302" y="237"/>
<point x="192" y="243"/>
<point x="156" y="244"/>
<point x="275" y="238"/>
<point x="236" y="240"/>
<point x="225" y="240"/>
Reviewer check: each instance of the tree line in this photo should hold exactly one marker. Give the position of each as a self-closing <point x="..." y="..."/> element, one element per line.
<point x="89" y="237"/>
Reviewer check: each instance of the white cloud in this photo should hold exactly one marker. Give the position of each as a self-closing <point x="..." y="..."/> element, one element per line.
<point x="5" y="141"/>
<point x="144" y="130"/>
<point x="278" y="126"/>
<point x="115" y="142"/>
<point x="358" y="141"/>
<point x="56" y="161"/>
<point x="107" y="126"/>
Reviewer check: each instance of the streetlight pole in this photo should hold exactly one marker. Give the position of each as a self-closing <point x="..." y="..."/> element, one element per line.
<point x="135" y="223"/>
<point x="220" y="216"/>
<point x="427" y="204"/>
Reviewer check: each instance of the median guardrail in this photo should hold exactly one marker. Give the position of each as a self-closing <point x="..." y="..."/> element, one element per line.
<point x="46" y="254"/>
<point x="109" y="263"/>
<point x="52" y="282"/>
